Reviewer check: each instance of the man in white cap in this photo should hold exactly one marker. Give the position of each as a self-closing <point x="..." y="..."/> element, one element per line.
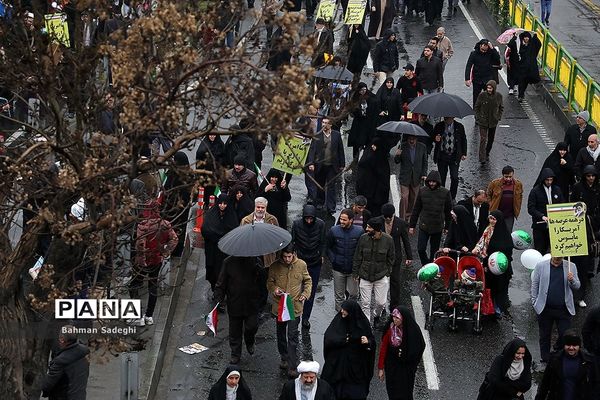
<point x="307" y="386"/>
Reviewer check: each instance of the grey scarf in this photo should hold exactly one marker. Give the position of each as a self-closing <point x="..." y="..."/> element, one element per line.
<point x="515" y="370"/>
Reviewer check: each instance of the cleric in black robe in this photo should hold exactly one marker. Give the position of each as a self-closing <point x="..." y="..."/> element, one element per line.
<point x="509" y="374"/>
<point x="373" y="176"/>
<point x="349" y="350"/>
<point x="307" y="386"/>
<point x="219" y="390"/>
<point x="402" y="347"/>
<point x="219" y="220"/>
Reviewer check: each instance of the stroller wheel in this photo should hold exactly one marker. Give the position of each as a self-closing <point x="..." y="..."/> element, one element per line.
<point x="477" y="330"/>
<point x="452" y="327"/>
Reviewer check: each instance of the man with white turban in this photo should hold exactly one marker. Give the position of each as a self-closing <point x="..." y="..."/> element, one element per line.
<point x="307" y="386"/>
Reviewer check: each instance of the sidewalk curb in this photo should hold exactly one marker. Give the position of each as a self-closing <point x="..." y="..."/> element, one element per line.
<point x="161" y="336"/>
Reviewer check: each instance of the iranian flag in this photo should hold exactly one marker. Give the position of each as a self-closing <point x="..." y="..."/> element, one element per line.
<point x="217" y="191"/>
<point x="212" y="319"/>
<point x="286" y="308"/>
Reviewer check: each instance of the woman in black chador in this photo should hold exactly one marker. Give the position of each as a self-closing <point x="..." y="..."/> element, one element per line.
<point x="231" y="385"/>
<point x="274" y="188"/>
<point x="462" y="235"/>
<point x="373" y="176"/>
<point x="349" y="350"/>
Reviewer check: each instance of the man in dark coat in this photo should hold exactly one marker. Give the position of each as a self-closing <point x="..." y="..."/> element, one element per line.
<point x="577" y="134"/>
<point x="381" y="18"/>
<point x="324" y="162"/>
<point x="280" y="51"/>
<point x="240" y="283"/>
<point x="307" y="386"/>
<point x="433" y="208"/>
<point x="589" y="155"/>
<point x="591" y="331"/>
<point x="409" y="85"/>
<point x="210" y="156"/>
<point x="478" y="208"/>
<point x="239" y="175"/>
<point x="386" y="58"/>
<point x="308" y="234"/>
<point x="450" y="150"/>
<point x="412" y="157"/>
<point x="324" y="43"/>
<point x="430" y="71"/>
<point x="540" y="196"/>
<point x="483" y="64"/>
<point x="527" y="48"/>
<point x="571" y="373"/>
<point x="68" y="371"/>
<point x="398" y="230"/>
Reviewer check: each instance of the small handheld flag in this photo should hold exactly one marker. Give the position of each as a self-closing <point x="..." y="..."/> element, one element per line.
<point x="286" y="308"/>
<point x="212" y="319"/>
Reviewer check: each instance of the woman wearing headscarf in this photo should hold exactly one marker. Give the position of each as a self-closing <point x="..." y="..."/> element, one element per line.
<point x="242" y="203"/>
<point x="219" y="221"/>
<point x="364" y="109"/>
<point x="509" y="376"/>
<point x="401" y="350"/>
<point x="210" y="156"/>
<point x="562" y="164"/>
<point x="178" y="197"/>
<point x="358" y="51"/>
<point x="462" y="235"/>
<point x="274" y="188"/>
<point x="349" y="350"/>
<point x="496" y="237"/>
<point x="373" y="176"/>
<point x="390" y="102"/>
<point x="230" y="386"/>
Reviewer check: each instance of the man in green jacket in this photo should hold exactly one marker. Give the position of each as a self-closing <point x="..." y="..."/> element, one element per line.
<point x="372" y="265"/>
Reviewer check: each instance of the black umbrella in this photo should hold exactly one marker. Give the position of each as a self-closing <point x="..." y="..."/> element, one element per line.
<point x="441" y="105"/>
<point x="403" y="127"/>
<point x="254" y="240"/>
<point x="334" y="73"/>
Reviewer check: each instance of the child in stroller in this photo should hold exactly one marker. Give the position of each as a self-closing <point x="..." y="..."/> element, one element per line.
<point x="467" y="289"/>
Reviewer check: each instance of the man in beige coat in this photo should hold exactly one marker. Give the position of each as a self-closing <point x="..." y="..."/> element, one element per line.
<point x="289" y="275"/>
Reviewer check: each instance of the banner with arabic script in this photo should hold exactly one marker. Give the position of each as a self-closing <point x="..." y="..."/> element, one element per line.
<point x="566" y="222"/>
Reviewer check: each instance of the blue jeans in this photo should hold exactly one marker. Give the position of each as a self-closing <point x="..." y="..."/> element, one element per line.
<point x="434" y="245"/>
<point x="314" y="270"/>
<point x="546" y="10"/>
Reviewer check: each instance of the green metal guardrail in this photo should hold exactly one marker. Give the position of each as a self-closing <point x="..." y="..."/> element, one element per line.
<point x="570" y="79"/>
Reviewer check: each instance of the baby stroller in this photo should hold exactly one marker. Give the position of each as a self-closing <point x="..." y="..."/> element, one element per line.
<point x="440" y="288"/>
<point x="467" y="293"/>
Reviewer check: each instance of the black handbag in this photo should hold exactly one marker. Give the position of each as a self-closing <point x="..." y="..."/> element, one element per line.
<point x="594" y="247"/>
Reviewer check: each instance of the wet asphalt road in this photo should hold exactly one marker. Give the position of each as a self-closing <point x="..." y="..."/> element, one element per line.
<point x="461" y="358"/>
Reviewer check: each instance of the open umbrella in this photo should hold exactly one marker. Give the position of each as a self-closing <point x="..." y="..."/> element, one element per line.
<point x="403" y="127"/>
<point x="441" y="105"/>
<point x="505" y="36"/>
<point x="254" y="240"/>
<point x="334" y="73"/>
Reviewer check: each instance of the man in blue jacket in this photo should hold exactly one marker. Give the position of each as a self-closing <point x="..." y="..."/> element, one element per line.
<point x="341" y="243"/>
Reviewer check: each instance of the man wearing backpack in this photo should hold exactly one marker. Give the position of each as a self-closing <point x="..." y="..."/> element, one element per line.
<point x="155" y="240"/>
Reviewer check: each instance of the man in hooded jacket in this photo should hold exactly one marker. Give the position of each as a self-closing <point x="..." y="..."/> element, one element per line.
<point x="386" y="59"/>
<point x="540" y="196"/>
<point x="308" y="234"/>
<point x="482" y="65"/>
<point x="432" y="210"/>
<point x="488" y="112"/>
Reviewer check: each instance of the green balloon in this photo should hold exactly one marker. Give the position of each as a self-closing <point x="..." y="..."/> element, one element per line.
<point x="498" y="263"/>
<point x="521" y="239"/>
<point x="428" y="272"/>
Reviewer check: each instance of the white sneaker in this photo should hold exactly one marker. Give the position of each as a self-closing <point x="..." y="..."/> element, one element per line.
<point x="137" y="321"/>
<point x="510" y="91"/>
<point x="582" y="304"/>
<point x="148" y="320"/>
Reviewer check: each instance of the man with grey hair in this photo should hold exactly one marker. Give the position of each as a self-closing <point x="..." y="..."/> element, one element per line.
<point x="69" y="369"/>
<point x="261" y="216"/>
<point x="307" y="386"/>
<point x="444" y="45"/>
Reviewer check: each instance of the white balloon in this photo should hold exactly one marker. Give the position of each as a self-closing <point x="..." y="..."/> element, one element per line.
<point x="546" y="257"/>
<point x="530" y="257"/>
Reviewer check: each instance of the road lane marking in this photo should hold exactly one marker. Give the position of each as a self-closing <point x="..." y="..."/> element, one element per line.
<point x="395" y="193"/>
<point x="431" y="374"/>
<point x="524" y="104"/>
